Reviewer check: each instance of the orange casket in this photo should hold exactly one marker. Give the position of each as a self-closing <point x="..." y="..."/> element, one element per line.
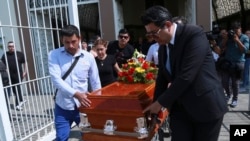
<point x="120" y="102"/>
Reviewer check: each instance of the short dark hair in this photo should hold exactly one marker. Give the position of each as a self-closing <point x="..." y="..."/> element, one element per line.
<point x="157" y="15"/>
<point x="235" y="25"/>
<point x="124" y="31"/>
<point x="10" y="42"/>
<point x="69" y="30"/>
<point x="84" y="40"/>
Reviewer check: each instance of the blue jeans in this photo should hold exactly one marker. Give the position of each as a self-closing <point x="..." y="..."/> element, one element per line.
<point x="63" y="121"/>
<point x="246" y="73"/>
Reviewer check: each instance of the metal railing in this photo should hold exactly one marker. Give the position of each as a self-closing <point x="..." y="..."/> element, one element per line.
<point x="34" y="31"/>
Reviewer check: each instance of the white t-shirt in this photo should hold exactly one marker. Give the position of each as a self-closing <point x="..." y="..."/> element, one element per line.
<point x="153" y="53"/>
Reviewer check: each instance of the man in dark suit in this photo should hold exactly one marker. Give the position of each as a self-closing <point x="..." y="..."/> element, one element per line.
<point x="187" y="83"/>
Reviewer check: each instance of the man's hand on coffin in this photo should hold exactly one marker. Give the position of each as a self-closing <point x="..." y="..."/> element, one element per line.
<point x="83" y="99"/>
<point x="153" y="108"/>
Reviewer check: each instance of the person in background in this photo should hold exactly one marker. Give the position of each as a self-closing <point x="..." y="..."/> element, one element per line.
<point x="120" y="48"/>
<point x="214" y="47"/>
<point x="84" y="45"/>
<point x="234" y="45"/>
<point x="106" y="64"/>
<point x="245" y="84"/>
<point x="180" y="20"/>
<point x="92" y="50"/>
<point x="187" y="83"/>
<point x="73" y="91"/>
<point x="146" y="45"/>
<point x="138" y="45"/>
<point x="16" y="64"/>
<point x="152" y="55"/>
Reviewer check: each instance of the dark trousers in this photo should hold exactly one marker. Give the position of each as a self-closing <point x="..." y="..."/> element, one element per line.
<point x="185" y="129"/>
<point x="231" y="83"/>
<point x="17" y="89"/>
<point x="231" y="80"/>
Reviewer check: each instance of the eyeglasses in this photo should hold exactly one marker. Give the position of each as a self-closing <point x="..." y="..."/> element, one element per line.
<point x="154" y="34"/>
<point x="121" y="37"/>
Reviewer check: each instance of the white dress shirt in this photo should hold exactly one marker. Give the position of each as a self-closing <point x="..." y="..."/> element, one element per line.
<point x="152" y="55"/>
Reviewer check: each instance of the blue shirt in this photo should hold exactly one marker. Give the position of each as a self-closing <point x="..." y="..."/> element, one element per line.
<point x="59" y="62"/>
<point x="233" y="52"/>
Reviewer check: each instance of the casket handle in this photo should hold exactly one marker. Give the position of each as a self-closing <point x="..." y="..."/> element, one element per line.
<point x="109" y="127"/>
<point x="141" y="128"/>
<point x="84" y="123"/>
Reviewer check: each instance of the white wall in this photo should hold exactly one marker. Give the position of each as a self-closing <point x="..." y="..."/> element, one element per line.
<point x="7" y="17"/>
<point x="118" y="16"/>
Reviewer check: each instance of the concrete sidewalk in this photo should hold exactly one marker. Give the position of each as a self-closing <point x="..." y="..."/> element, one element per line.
<point x="237" y="115"/>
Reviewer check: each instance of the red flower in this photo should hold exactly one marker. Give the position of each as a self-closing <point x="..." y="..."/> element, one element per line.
<point x="131" y="71"/>
<point x="124" y="66"/>
<point x="153" y="65"/>
<point x="145" y="65"/>
<point x="120" y="74"/>
<point x="149" y="76"/>
<point x="141" y="60"/>
<point x="130" y="60"/>
<point x="137" y="70"/>
<point x="130" y="79"/>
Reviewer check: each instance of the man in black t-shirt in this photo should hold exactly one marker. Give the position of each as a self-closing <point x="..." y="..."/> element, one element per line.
<point x="120" y="48"/>
<point x="16" y="71"/>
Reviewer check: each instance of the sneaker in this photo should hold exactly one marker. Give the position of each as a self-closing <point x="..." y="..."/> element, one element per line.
<point x="19" y="108"/>
<point x="21" y="103"/>
<point x="233" y="104"/>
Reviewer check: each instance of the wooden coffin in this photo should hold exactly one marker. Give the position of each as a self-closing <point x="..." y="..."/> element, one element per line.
<point x="123" y="103"/>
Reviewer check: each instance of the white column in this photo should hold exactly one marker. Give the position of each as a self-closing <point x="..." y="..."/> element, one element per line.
<point x="73" y="13"/>
<point x="194" y="20"/>
<point x="118" y="16"/>
<point x="211" y="15"/>
<point x="5" y="128"/>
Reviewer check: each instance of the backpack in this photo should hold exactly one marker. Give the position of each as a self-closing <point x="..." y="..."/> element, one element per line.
<point x="4" y="74"/>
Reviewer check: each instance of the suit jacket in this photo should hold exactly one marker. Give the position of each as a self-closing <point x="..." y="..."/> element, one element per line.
<point x="195" y="85"/>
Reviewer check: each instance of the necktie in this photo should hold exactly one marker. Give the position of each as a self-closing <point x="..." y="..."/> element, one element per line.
<point x="168" y="65"/>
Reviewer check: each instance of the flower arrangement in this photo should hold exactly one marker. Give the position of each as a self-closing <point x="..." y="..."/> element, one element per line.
<point x="138" y="70"/>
